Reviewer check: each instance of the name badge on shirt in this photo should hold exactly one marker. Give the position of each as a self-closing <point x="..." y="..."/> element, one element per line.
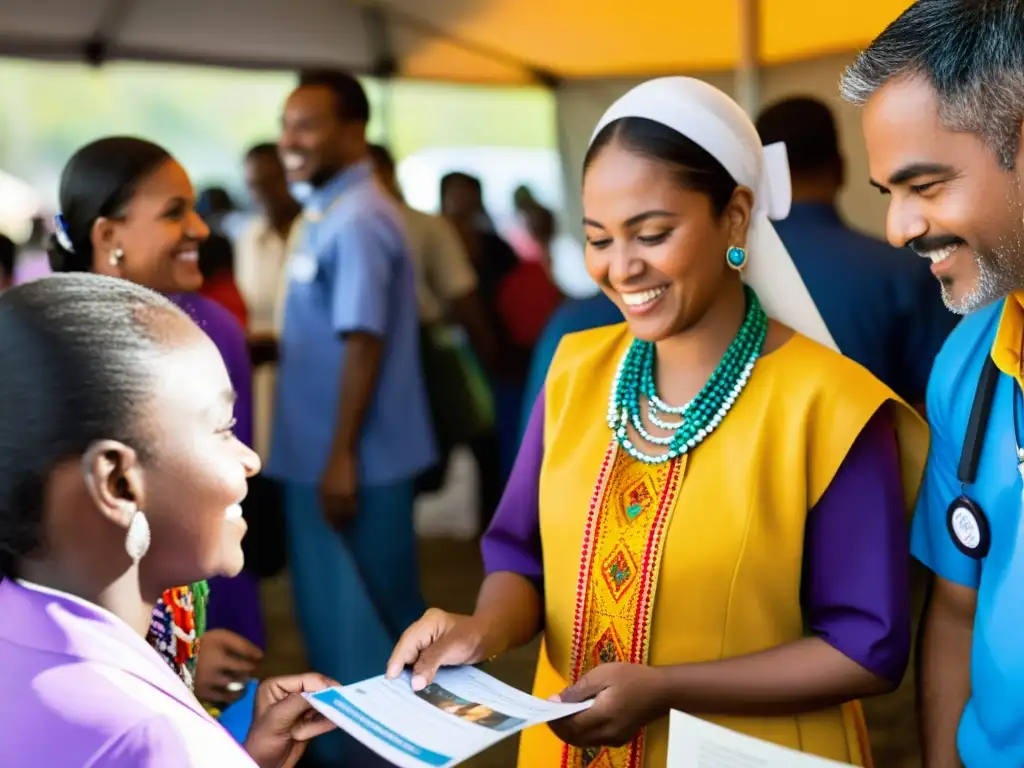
<point x="302" y="268"/>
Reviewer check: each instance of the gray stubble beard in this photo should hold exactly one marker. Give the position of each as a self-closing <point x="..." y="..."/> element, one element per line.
<point x="1000" y="271"/>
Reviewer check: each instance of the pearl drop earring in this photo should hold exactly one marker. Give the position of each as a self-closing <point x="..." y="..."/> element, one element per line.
<point x="116" y="257"/>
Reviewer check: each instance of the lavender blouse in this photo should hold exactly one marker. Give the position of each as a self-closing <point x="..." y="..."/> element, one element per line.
<point x="856" y="593"/>
<point x="82" y="688"/>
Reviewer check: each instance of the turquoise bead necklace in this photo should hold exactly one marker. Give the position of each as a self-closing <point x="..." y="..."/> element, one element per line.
<point x="699" y="417"/>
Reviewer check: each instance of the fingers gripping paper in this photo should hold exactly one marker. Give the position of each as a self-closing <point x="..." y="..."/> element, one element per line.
<point x="715" y="122"/>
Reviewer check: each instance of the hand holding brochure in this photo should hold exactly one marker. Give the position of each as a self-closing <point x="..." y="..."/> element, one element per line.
<point x="696" y="743"/>
<point x="463" y="712"/>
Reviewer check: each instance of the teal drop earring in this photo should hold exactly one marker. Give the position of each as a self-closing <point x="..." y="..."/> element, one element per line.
<point x="736" y="258"/>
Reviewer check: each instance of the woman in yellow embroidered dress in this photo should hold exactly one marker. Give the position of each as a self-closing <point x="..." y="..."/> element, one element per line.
<point x="708" y="512"/>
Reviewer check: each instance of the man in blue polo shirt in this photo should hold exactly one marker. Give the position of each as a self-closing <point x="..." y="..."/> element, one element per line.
<point x="351" y="425"/>
<point x="943" y="96"/>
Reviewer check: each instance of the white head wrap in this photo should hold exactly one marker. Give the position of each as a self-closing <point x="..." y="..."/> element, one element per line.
<point x="713" y="121"/>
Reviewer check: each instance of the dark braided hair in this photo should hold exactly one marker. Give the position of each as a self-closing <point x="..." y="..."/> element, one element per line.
<point x="72" y="350"/>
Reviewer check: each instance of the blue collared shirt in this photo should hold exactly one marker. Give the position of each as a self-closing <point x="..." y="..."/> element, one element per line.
<point x="881" y="304"/>
<point x="351" y="271"/>
<point x="991" y="732"/>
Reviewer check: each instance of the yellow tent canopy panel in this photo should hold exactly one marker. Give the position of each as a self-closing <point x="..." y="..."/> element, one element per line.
<point x="483" y="41"/>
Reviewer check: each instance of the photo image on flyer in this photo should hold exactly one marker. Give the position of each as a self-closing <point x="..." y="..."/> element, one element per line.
<point x="470" y="711"/>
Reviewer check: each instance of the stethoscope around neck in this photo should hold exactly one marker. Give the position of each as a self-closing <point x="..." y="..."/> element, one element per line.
<point x="965" y="519"/>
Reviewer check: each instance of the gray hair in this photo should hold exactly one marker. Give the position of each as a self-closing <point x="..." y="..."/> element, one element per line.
<point x="972" y="53"/>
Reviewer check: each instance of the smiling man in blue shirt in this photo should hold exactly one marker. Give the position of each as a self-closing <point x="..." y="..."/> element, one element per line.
<point x="943" y="96"/>
<point x="351" y="429"/>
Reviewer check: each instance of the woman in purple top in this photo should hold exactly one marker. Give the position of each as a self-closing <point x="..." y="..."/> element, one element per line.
<point x="119" y="478"/>
<point x="127" y="212"/>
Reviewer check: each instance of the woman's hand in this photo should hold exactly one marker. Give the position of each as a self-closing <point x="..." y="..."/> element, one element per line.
<point x="627" y="697"/>
<point x="437" y="640"/>
<point x="283" y="721"/>
<point x="225" y="663"/>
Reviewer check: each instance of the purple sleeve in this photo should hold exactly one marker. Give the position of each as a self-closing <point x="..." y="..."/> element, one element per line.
<point x="856" y="587"/>
<point x="229" y="337"/>
<point x="235" y="350"/>
<point x="512" y="543"/>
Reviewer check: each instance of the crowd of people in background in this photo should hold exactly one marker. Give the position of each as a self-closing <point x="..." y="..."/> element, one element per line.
<point x="354" y="379"/>
<point x="368" y="340"/>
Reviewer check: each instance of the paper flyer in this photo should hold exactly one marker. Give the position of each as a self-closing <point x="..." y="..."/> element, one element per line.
<point x="463" y="712"/>
<point x="696" y="743"/>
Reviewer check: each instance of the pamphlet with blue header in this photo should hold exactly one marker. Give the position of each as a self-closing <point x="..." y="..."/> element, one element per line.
<point x="461" y="713"/>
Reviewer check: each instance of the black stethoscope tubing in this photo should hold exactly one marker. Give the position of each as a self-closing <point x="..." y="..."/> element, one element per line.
<point x="966" y="522"/>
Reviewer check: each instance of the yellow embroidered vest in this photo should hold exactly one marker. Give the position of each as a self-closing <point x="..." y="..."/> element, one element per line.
<point x="700" y="559"/>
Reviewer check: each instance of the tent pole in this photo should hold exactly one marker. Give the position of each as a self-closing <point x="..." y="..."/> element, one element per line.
<point x="748" y="74"/>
